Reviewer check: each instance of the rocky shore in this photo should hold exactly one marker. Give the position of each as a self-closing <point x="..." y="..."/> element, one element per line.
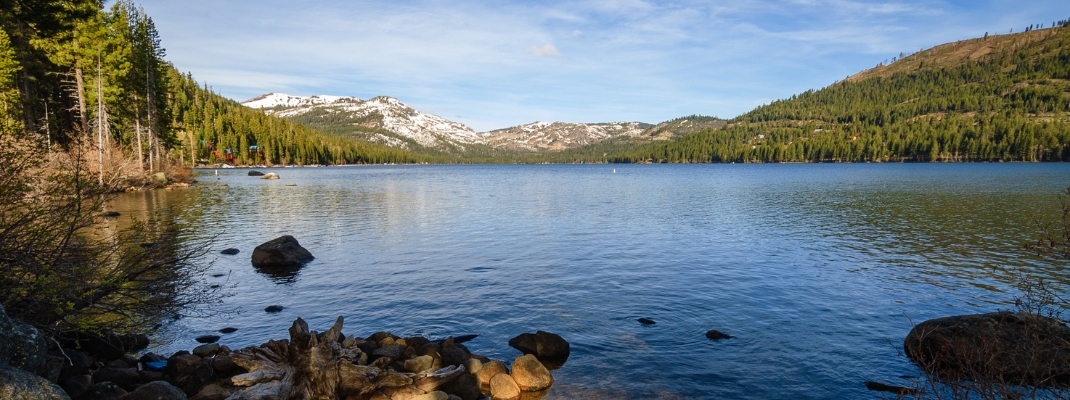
<point x="307" y="365"/>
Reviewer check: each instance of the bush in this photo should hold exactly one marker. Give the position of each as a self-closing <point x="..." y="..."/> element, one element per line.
<point x="62" y="273"/>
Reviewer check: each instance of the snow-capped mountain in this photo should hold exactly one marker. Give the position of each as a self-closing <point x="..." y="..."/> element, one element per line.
<point x="383" y="119"/>
<point x="389" y="121"/>
<point x="542" y="135"/>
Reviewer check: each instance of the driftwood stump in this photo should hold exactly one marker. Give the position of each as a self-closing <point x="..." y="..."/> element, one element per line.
<point x="324" y="366"/>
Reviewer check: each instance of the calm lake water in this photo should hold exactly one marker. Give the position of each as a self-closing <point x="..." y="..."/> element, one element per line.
<point x="817" y="270"/>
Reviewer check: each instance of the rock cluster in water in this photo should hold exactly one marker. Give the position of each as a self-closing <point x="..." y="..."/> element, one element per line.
<point x="309" y="365"/>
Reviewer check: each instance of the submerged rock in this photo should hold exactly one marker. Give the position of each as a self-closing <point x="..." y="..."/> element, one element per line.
<point x="714" y="334"/>
<point x="273" y="309"/>
<point x="646" y="321"/>
<point x="231" y="251"/>
<point x="1003" y="346"/>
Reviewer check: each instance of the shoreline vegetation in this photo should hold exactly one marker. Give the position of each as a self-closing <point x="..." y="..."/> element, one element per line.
<point x="89" y="106"/>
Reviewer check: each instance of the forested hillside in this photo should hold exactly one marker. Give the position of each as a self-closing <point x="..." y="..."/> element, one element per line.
<point x="75" y="73"/>
<point x="214" y="129"/>
<point x="1003" y="98"/>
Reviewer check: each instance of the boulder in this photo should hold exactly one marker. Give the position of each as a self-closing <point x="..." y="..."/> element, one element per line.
<point x="21" y="346"/>
<point x="530" y="375"/>
<point x="159" y="178"/>
<point x="281" y="252"/>
<point x="419" y="364"/>
<point x="231" y="251"/>
<point x="473" y="366"/>
<point x="214" y="391"/>
<point x="206" y="350"/>
<point x="104" y="391"/>
<point x="270" y="175"/>
<point x="502" y="387"/>
<point x="436" y="395"/>
<point x="189" y="372"/>
<point x="158" y="390"/>
<point x="123" y="377"/>
<point x="489" y="370"/>
<point x="77" y="384"/>
<point x="465" y="386"/>
<point x="19" y="384"/>
<point x="1008" y="347"/>
<point x="544" y="345"/>
<point x="222" y="364"/>
<point x="255" y="173"/>
<point x="454" y="355"/>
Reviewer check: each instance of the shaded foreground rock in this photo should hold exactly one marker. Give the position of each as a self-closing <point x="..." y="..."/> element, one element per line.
<point x="281" y="252"/>
<point x="158" y="390"/>
<point x="21" y="346"/>
<point x="1005" y="347"/>
<point x="18" y="384"/>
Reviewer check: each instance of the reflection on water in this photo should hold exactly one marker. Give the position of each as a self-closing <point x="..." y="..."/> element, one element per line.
<point x="814" y="269"/>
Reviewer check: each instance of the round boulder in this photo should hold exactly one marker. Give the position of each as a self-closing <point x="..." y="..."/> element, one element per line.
<point x="489" y="370"/>
<point x="502" y="387"/>
<point x="281" y="252"/>
<point x="530" y="375"/>
<point x="158" y="390"/>
<point x="996" y="347"/>
<point x="255" y="173"/>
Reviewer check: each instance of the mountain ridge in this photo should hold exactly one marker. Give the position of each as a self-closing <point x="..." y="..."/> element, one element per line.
<point x="387" y="120"/>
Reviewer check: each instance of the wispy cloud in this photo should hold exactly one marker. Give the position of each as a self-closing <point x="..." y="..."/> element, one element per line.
<point x="587" y="60"/>
<point x="543" y="51"/>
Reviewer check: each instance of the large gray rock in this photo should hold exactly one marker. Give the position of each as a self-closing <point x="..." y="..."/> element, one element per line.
<point x="281" y="252"/>
<point x="21" y="346"/>
<point x="18" y="384"/>
<point x="997" y="347"/>
<point x="158" y="390"/>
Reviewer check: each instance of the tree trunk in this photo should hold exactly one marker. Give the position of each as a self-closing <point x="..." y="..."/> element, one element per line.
<point x="137" y="133"/>
<point x="80" y="83"/>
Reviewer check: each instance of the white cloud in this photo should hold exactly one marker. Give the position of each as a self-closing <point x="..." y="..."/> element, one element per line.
<point x="545" y="50"/>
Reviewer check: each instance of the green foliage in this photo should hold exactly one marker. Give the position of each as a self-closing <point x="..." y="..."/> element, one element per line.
<point x="1011" y="106"/>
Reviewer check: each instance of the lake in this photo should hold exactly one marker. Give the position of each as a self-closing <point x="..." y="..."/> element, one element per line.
<point x="818" y="270"/>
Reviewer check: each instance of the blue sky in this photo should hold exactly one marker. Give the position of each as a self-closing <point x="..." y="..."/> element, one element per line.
<point x="496" y="64"/>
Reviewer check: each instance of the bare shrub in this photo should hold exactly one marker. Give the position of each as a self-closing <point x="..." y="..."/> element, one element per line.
<point x="59" y="275"/>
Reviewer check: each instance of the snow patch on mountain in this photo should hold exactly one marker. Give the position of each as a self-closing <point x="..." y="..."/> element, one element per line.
<point x="380" y="112"/>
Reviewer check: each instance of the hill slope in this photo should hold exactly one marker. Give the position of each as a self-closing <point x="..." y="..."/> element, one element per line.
<point x="1001" y="98"/>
